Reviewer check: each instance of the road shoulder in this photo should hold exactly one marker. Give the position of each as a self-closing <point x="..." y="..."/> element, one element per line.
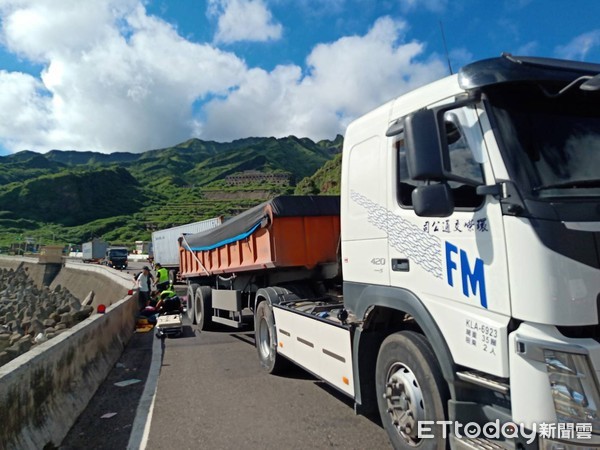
<point x="118" y="404"/>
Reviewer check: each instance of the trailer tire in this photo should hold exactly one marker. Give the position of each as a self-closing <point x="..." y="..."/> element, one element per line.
<point x="203" y="308"/>
<point x="410" y="388"/>
<point x="191" y="293"/>
<point x="266" y="339"/>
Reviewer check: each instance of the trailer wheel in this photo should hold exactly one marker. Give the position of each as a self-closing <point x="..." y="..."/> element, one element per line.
<point x="191" y="293"/>
<point x="266" y="339"/>
<point x="203" y="307"/>
<point x="410" y="389"/>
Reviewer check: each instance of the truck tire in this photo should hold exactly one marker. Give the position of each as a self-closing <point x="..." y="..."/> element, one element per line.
<point x="203" y="308"/>
<point x="266" y="339"/>
<point x="173" y="276"/>
<point x="410" y="388"/>
<point x="191" y="293"/>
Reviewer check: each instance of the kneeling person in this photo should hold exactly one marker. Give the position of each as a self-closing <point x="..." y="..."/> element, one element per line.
<point x="168" y="302"/>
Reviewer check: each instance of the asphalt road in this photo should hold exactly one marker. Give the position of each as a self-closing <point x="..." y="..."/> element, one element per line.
<point x="135" y="267"/>
<point x="212" y="394"/>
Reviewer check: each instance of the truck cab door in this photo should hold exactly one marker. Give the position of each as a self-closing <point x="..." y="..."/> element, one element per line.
<point x="455" y="265"/>
<point x="364" y="227"/>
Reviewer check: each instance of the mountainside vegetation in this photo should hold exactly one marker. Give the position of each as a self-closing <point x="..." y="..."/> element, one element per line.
<point x="325" y="181"/>
<point x="70" y="197"/>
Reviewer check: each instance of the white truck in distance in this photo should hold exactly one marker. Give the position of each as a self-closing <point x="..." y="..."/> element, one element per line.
<point x="165" y="246"/>
<point x="94" y="250"/>
<point x="470" y="253"/>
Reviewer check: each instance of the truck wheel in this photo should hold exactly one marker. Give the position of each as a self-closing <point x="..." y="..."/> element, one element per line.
<point x="266" y="339"/>
<point x="203" y="307"/>
<point x="191" y="293"/>
<point x="172" y="276"/>
<point x="410" y="389"/>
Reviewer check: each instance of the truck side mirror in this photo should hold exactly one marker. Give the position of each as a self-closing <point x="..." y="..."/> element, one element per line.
<point x="424" y="154"/>
<point x="433" y="200"/>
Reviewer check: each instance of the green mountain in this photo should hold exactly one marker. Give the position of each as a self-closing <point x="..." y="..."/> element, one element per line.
<point x="325" y="181"/>
<point x="25" y="165"/>
<point x="72" y="196"/>
<point x="202" y="162"/>
<point x="74" y="158"/>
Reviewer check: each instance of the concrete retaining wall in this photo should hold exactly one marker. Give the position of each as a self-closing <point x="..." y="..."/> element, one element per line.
<point x="43" y="391"/>
<point x="109" y="285"/>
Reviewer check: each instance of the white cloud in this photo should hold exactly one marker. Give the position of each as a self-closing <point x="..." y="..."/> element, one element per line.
<point x="345" y="79"/>
<point x="120" y="79"/>
<point x="24" y="111"/>
<point x="41" y="29"/>
<point x="243" y="20"/>
<point x="579" y="46"/>
<point x="117" y="79"/>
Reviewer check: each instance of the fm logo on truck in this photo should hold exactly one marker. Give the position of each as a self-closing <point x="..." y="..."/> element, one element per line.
<point x="473" y="279"/>
<point x="425" y="249"/>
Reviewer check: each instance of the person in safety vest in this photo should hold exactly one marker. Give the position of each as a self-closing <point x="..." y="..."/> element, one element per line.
<point x="162" y="278"/>
<point x="164" y="303"/>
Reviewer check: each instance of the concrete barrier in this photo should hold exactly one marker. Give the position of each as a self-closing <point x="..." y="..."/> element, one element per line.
<point x="43" y="391"/>
<point x="109" y="285"/>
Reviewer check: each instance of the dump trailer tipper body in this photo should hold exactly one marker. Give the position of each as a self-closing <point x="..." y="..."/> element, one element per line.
<point x="284" y="232"/>
<point x="470" y="254"/>
<point x="287" y="239"/>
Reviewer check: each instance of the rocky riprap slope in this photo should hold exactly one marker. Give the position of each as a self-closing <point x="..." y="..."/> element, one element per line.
<point x="30" y="316"/>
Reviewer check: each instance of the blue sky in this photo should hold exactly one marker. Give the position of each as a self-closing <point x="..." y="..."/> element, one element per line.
<point x="132" y="75"/>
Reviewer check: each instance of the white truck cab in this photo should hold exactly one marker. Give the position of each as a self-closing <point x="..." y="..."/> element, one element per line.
<point x="470" y="221"/>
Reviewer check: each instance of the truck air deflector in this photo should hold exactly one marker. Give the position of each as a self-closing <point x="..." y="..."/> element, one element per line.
<point x="508" y="68"/>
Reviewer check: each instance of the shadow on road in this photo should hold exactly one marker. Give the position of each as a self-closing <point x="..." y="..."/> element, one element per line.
<point x="247" y="338"/>
<point x="373" y="417"/>
<point x="290" y="371"/>
<point x="188" y="332"/>
<point x="297" y="373"/>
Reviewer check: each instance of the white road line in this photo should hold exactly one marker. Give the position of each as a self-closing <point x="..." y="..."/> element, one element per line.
<point x="143" y="415"/>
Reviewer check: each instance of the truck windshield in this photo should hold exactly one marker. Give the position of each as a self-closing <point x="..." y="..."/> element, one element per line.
<point x="551" y="144"/>
<point x="118" y="253"/>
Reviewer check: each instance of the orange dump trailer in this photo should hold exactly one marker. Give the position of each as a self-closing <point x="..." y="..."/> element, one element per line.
<point x="288" y="239"/>
<point x="288" y="231"/>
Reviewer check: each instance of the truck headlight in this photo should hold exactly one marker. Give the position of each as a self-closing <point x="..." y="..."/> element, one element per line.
<point x="574" y="388"/>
